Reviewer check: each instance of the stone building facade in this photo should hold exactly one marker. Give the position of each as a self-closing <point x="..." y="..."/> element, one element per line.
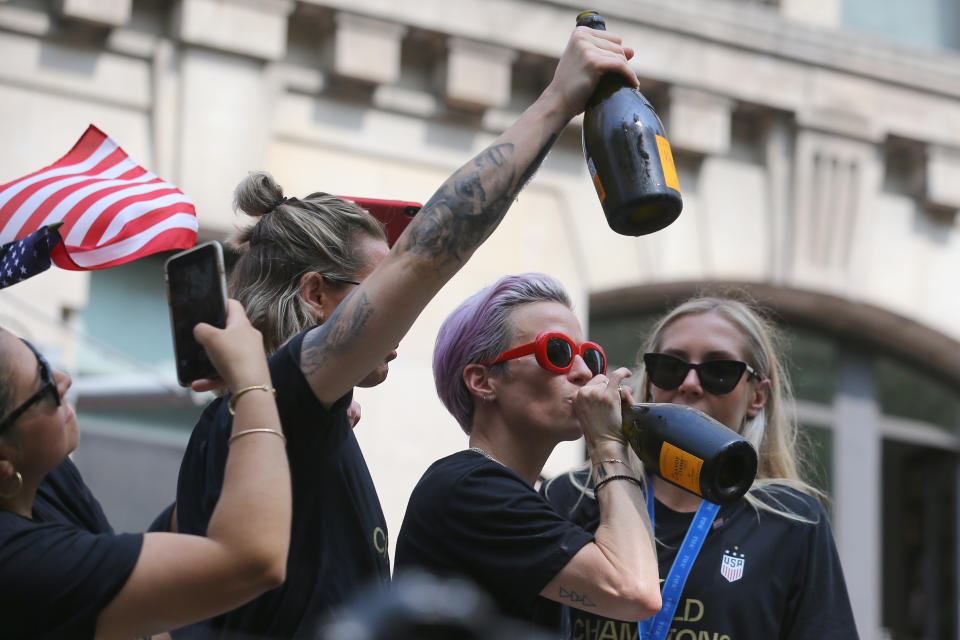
<point x="820" y="168"/>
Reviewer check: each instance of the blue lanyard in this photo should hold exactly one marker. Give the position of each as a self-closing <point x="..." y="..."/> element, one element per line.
<point x="656" y="628"/>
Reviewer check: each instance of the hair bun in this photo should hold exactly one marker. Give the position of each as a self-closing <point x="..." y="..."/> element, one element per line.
<point x="257" y="194"/>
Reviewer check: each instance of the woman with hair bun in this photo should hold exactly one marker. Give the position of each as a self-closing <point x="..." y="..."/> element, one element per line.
<point x="331" y="299"/>
<point x="768" y="566"/>
<point x="300" y="258"/>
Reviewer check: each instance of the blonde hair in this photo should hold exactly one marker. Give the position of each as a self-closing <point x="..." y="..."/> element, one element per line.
<point x="773" y="431"/>
<point x="292" y="237"/>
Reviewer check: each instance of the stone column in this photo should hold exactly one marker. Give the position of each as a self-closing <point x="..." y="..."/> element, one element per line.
<point x="778" y="153"/>
<point x="857" y="482"/>
<point x="227" y="96"/>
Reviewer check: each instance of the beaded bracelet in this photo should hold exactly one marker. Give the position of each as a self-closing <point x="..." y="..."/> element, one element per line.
<point x="247" y="432"/>
<point x="635" y="481"/>
<point x="232" y="405"/>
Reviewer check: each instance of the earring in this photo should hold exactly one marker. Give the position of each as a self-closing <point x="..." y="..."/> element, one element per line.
<point x="13" y="494"/>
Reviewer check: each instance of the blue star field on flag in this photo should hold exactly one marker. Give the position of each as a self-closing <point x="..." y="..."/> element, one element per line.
<point x="28" y="256"/>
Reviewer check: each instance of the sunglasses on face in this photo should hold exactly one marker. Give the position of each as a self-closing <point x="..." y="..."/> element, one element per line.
<point x="555" y="352"/>
<point x="716" y="376"/>
<point x="48" y="388"/>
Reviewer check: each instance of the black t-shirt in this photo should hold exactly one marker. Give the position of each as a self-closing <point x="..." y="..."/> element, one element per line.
<point x="783" y="578"/>
<point x="473" y="517"/>
<point x="59" y="570"/>
<point x="339" y="535"/>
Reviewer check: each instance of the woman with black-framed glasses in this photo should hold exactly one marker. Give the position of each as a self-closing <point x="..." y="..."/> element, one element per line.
<point x="768" y="566"/>
<point x="64" y="573"/>
<point x="513" y="368"/>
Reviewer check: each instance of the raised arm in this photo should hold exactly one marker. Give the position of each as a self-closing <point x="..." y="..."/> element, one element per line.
<point x="454" y="222"/>
<point x="179" y="578"/>
<point x="616" y="575"/>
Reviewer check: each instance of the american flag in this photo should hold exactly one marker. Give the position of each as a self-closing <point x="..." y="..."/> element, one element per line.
<point x="113" y="211"/>
<point x="28" y="256"/>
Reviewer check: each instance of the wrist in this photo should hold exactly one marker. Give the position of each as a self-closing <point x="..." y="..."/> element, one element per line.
<point x="602" y="482"/>
<point x="248" y="381"/>
<point x="248" y="377"/>
<point x="552" y="109"/>
<point x="608" y="450"/>
<point x="241" y="392"/>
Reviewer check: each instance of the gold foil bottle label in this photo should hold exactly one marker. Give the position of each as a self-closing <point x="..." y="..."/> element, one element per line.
<point x="596" y="180"/>
<point x="666" y="160"/>
<point x="680" y="467"/>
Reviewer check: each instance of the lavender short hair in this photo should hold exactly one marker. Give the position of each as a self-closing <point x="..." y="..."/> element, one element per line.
<point x="480" y="329"/>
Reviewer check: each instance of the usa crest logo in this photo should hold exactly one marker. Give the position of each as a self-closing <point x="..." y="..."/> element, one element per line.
<point x="731" y="567"/>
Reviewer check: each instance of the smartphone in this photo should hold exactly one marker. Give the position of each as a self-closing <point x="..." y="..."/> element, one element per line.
<point x="196" y="292"/>
<point x="395" y="215"/>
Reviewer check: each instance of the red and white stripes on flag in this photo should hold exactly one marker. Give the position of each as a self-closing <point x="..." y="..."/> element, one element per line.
<point x="113" y="211"/>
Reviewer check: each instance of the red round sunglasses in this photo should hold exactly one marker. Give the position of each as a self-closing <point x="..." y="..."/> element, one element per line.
<point x="555" y="352"/>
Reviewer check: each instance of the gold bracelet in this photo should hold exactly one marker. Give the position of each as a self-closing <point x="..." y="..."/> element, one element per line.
<point x="247" y="432"/>
<point x="232" y="405"/>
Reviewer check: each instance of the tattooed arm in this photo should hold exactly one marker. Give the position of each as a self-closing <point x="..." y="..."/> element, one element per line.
<point x="454" y="222"/>
<point x="616" y="575"/>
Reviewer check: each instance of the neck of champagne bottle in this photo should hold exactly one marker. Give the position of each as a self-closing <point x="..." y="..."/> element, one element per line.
<point x="610" y="82"/>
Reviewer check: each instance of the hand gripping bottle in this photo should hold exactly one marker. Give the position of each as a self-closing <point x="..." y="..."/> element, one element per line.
<point x="628" y="154"/>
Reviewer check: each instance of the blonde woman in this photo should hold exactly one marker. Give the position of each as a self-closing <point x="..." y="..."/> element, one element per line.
<point x="768" y="566"/>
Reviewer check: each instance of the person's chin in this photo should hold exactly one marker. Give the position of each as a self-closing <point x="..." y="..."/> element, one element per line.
<point x="73" y="441"/>
<point x="573" y="433"/>
<point x="73" y="429"/>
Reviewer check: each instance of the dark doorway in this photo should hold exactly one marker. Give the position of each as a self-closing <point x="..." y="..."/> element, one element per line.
<point x="919" y="542"/>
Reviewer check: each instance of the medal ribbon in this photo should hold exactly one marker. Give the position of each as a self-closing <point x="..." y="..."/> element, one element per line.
<point x="656" y="628"/>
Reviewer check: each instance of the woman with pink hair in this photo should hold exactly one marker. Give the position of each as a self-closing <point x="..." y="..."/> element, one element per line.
<point x="512" y="366"/>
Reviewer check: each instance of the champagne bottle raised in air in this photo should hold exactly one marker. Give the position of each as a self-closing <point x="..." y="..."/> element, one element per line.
<point x="628" y="154"/>
<point x="688" y="448"/>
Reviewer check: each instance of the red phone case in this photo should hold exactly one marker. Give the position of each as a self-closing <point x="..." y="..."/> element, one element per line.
<point x="395" y="215"/>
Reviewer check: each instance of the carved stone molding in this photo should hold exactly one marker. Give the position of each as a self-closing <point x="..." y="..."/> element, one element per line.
<point x="834" y="178"/>
<point x="111" y="13"/>
<point x="256" y="28"/>
<point x="699" y="121"/>
<point x="478" y="75"/>
<point x="367" y="49"/>
<point x="755" y="30"/>
<point x="943" y="177"/>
